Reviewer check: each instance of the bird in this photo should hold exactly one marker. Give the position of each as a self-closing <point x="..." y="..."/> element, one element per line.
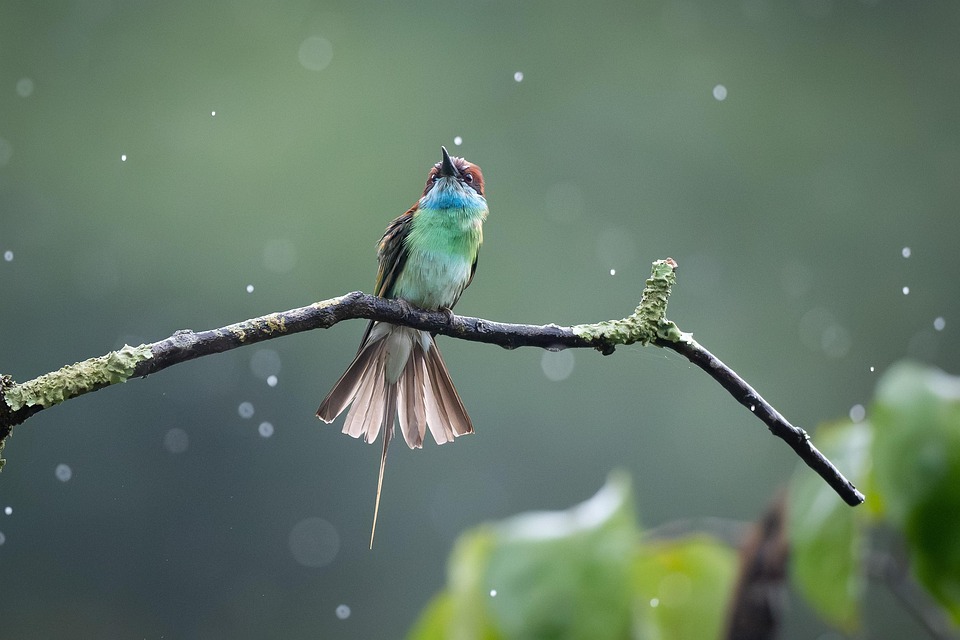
<point x="427" y="257"/>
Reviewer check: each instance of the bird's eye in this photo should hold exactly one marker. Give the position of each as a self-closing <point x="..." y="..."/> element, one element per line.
<point x="468" y="177"/>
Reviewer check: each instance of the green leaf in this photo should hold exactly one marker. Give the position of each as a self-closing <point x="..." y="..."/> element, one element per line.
<point x="917" y="471"/>
<point x="683" y="588"/>
<point x="826" y="535"/>
<point x="563" y="574"/>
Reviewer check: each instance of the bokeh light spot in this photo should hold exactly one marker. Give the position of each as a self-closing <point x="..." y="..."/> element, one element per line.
<point x="245" y="410"/>
<point x="63" y="472"/>
<point x="24" y="87"/>
<point x="720" y="93"/>
<point x="314" y="542"/>
<point x="279" y="255"/>
<point x="265" y="429"/>
<point x="858" y="413"/>
<point x="176" y="440"/>
<point x="265" y="363"/>
<point x="557" y="365"/>
<point x="316" y="53"/>
<point x="343" y="612"/>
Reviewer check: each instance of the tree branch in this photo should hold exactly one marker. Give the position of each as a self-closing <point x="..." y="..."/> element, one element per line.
<point x="646" y="325"/>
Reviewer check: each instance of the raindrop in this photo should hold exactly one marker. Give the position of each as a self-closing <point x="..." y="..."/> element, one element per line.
<point x="493" y="593"/>
<point x="613" y="272"/>
<point x="858" y="413"/>
<point x="265" y="429"/>
<point x="245" y="410"/>
<point x="24" y="87"/>
<point x="654" y="602"/>
<point x="8" y="510"/>
<point x="314" y="542"/>
<point x="8" y="256"/>
<point x="557" y="365"/>
<point x="279" y="255"/>
<point x="265" y="363"/>
<point x="271" y="381"/>
<point x="906" y="291"/>
<point x="176" y="440"/>
<point x="343" y="612"/>
<point x="63" y="472"/>
<point x="123" y="157"/>
<point x="939" y="323"/>
<point x="872" y="369"/>
<point x="518" y="76"/>
<point x="249" y="288"/>
<point x="905" y="252"/>
<point x="3" y="538"/>
<point x="720" y="93"/>
<point x="213" y="113"/>
<point x="315" y="53"/>
<point x="457" y="140"/>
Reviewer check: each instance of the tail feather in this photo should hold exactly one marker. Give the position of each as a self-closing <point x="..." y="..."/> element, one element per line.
<point x="381" y="389"/>
<point x="347" y="387"/>
<point x="389" y="413"/>
<point x="457" y="421"/>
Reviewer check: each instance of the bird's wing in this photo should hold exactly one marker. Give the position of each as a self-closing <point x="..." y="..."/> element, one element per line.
<point x="392" y="254"/>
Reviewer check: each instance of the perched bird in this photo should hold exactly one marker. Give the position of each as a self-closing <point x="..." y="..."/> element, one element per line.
<point x="427" y="257"/>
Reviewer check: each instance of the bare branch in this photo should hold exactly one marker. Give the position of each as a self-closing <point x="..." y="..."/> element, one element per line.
<point x="646" y="325"/>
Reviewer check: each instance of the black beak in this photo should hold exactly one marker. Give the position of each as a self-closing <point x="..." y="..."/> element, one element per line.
<point x="447" y="168"/>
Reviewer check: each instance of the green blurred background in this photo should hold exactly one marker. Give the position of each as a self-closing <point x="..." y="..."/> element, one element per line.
<point x="159" y="159"/>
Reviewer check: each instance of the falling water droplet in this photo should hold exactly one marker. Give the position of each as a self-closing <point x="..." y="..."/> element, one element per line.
<point x="939" y="323"/>
<point x="518" y="76"/>
<point x="271" y="381"/>
<point x="906" y="291"/>
<point x="123" y="157"/>
<point x="905" y="252"/>
<point x="265" y="429"/>
<point x="8" y="256"/>
<point x="63" y="472"/>
<point x="249" y="288"/>
<point x="343" y="612"/>
<point x="720" y="93"/>
<point x="457" y="140"/>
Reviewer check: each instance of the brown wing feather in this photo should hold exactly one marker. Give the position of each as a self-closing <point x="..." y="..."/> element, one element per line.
<point x="392" y="253"/>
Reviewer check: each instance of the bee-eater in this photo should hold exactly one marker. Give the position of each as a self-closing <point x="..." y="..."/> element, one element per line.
<point x="427" y="257"/>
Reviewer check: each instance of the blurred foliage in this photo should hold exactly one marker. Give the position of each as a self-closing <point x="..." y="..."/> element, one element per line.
<point x="589" y="573"/>
<point x="907" y="458"/>
<point x="916" y="472"/>
<point x="581" y="573"/>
